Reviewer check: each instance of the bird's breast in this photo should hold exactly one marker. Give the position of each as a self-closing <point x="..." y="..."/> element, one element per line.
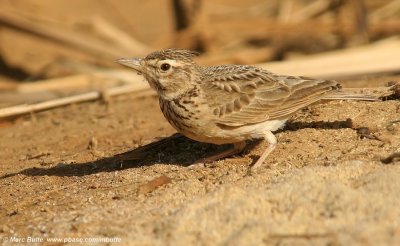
<point x="182" y="114"/>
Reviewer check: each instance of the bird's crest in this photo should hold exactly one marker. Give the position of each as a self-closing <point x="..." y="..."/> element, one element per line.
<point x="173" y="54"/>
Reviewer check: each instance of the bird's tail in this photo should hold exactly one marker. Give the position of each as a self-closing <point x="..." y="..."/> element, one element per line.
<point x="349" y="95"/>
<point x="392" y="89"/>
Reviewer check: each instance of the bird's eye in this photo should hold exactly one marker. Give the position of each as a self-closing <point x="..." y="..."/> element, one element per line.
<point x="165" y="66"/>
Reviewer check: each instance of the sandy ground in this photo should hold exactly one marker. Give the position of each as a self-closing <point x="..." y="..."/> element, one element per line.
<point x="97" y="170"/>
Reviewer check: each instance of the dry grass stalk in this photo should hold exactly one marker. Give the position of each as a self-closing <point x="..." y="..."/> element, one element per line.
<point x="83" y="42"/>
<point x="374" y="58"/>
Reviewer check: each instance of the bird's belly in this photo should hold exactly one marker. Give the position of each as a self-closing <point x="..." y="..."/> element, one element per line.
<point x="217" y="134"/>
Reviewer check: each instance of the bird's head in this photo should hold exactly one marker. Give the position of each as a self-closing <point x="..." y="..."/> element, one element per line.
<point x="170" y="72"/>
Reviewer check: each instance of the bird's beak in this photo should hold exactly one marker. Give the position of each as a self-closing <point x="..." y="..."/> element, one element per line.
<point x="135" y="63"/>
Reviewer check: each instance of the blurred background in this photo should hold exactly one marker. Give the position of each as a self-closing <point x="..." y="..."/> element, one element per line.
<point x="42" y="41"/>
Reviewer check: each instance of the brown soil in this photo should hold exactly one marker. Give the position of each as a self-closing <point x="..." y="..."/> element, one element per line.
<point x="68" y="172"/>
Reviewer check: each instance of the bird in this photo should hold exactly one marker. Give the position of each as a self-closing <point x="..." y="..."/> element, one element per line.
<point x="229" y="104"/>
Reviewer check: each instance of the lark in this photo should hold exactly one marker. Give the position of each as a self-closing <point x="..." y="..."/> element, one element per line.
<point x="229" y="104"/>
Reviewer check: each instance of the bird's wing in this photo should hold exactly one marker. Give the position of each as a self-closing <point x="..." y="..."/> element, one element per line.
<point x="240" y="95"/>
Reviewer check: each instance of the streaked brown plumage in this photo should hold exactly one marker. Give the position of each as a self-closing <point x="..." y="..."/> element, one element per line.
<point x="229" y="103"/>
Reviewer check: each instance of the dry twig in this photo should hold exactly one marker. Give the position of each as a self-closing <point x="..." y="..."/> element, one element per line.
<point x="90" y="96"/>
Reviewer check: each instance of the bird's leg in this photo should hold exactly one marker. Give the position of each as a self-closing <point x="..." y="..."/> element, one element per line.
<point x="271" y="139"/>
<point x="237" y="148"/>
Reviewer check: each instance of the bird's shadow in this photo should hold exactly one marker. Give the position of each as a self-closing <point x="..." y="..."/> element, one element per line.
<point x="176" y="149"/>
